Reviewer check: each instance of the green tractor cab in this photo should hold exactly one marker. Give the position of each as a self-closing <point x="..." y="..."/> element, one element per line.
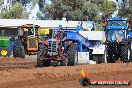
<point x="5" y="46"/>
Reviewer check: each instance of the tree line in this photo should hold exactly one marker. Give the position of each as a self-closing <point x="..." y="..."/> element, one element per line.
<point x="70" y="9"/>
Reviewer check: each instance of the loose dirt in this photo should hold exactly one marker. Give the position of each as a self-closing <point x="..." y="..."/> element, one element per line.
<point x="12" y="63"/>
<point x="23" y="73"/>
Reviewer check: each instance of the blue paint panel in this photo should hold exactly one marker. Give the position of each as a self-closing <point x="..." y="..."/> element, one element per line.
<point x="117" y="19"/>
<point x="76" y="36"/>
<point x="11" y="46"/>
<point x="116" y="27"/>
<point x="71" y="35"/>
<point x="130" y="34"/>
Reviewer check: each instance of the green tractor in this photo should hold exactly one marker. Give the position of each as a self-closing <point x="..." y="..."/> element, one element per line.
<point x="6" y="44"/>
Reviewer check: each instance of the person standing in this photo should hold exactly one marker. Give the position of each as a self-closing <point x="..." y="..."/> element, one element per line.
<point x="93" y="28"/>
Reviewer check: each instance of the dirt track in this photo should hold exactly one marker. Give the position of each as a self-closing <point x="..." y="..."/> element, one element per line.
<point x="23" y="73"/>
<point x="11" y="63"/>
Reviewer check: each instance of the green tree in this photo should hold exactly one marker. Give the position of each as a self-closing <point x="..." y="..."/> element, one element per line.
<point x="16" y="12"/>
<point x="1" y="1"/>
<point x="98" y="2"/>
<point x="72" y="9"/>
<point x="77" y="14"/>
<point x="99" y="27"/>
<point x="91" y="10"/>
<point x="108" y="8"/>
<point x="125" y="8"/>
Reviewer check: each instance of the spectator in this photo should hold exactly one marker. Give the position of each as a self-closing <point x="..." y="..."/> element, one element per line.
<point x="93" y="28"/>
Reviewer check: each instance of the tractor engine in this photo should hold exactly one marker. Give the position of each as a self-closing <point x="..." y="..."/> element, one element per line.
<point x="32" y="43"/>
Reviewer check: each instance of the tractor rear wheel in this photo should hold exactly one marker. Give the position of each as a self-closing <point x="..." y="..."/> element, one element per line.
<point x="72" y="52"/>
<point x="124" y="54"/>
<point x="18" y="49"/>
<point x="108" y="56"/>
<point x="65" y="60"/>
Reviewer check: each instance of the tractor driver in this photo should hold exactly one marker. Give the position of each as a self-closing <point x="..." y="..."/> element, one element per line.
<point x="61" y="37"/>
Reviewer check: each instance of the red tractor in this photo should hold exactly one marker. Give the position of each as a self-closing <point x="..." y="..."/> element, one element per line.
<point x="52" y="50"/>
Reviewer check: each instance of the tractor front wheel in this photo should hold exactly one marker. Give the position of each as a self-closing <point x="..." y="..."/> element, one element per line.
<point x="39" y="62"/>
<point x="43" y="62"/>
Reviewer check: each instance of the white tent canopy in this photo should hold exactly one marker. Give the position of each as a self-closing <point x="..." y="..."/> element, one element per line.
<point x="14" y="23"/>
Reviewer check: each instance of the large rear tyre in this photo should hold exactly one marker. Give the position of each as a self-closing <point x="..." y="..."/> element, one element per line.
<point x="18" y="49"/>
<point x="109" y="56"/>
<point x="65" y="60"/>
<point x="125" y="54"/>
<point x="72" y="52"/>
